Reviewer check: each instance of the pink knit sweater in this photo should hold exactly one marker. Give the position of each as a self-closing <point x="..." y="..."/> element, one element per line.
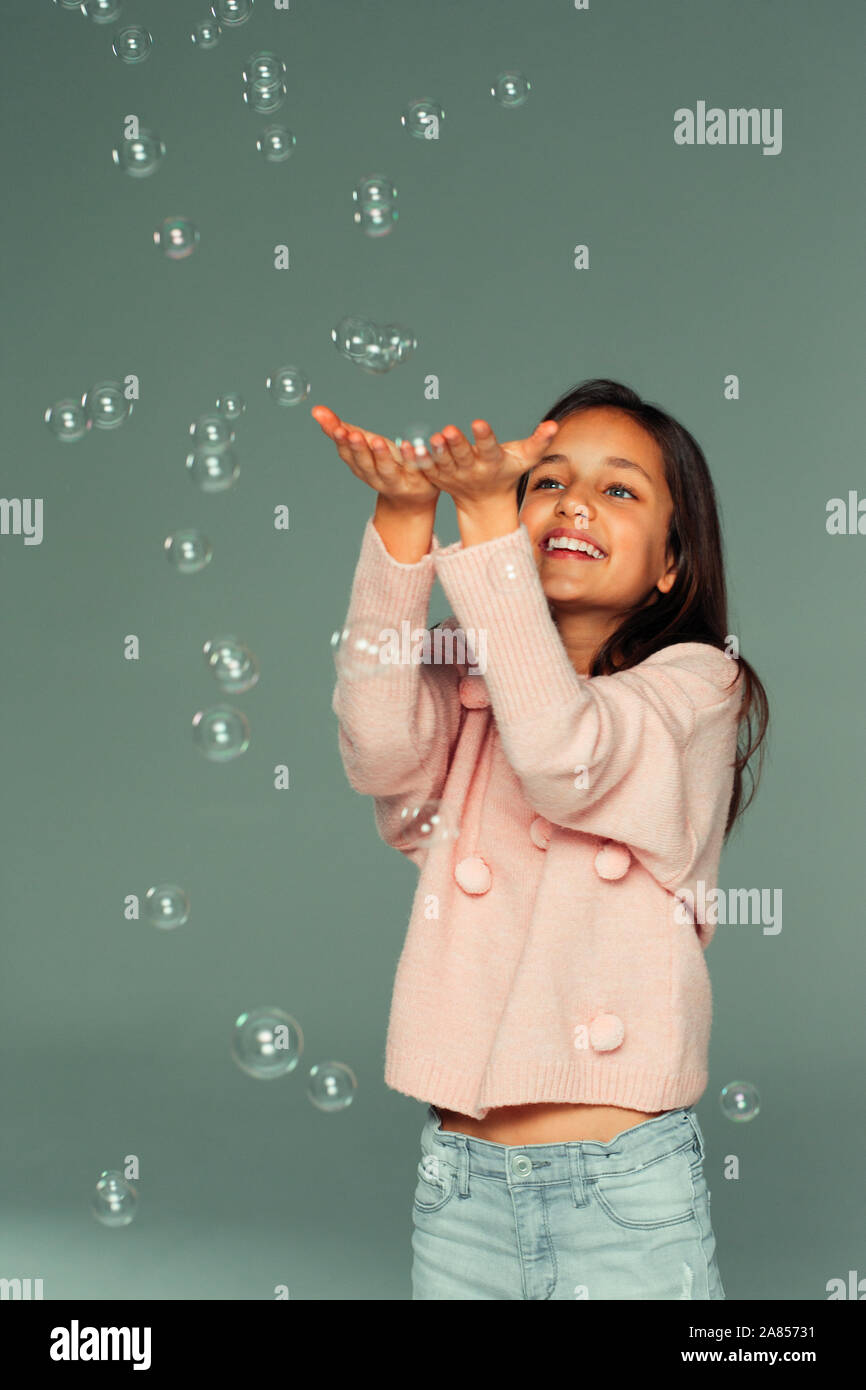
<point x="555" y="950"/>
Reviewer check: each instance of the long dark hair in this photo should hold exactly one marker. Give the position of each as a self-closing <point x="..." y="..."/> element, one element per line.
<point x="696" y="607"/>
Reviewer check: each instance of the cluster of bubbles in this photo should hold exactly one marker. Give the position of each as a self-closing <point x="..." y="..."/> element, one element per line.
<point x="375" y="199"/>
<point x="212" y="462"/>
<point x="103" y="405"/>
<point x="264" y="91"/>
<point x="266" y="1043"/>
<point x="222" y="732"/>
<point x="739" y="1101"/>
<point x="374" y="347"/>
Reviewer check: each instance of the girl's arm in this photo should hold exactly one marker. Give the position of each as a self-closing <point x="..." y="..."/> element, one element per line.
<point x="642" y="757"/>
<point x="397" y="727"/>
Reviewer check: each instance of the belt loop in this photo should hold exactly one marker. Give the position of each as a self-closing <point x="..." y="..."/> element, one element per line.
<point x="696" y="1133"/>
<point x="579" y="1194"/>
<point x="462" y="1163"/>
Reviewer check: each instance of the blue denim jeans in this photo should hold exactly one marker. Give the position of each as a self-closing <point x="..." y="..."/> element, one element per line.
<point x="629" y="1219"/>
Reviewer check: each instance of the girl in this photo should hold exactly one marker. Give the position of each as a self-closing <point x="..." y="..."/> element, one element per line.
<point x="552" y="1005"/>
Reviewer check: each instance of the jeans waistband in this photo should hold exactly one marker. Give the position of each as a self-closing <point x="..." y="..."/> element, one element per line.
<point x="629" y="1151"/>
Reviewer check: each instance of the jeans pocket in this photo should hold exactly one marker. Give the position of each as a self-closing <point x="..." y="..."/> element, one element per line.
<point x="436" y="1183"/>
<point x="660" y="1194"/>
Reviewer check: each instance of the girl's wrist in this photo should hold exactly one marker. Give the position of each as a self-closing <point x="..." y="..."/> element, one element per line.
<point x="485" y="521"/>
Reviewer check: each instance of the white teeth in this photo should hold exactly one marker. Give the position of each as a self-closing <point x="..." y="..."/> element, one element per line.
<point x="566" y="543"/>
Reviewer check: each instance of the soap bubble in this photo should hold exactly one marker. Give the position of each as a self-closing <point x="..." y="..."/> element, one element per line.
<point x="510" y="89"/>
<point x="132" y="45"/>
<point x="114" y="1200"/>
<point x="288" y="386"/>
<point x="166" y="906"/>
<point x="67" y="420"/>
<point x="422" y="119"/>
<point x="212" y="430"/>
<point x="213" y="469"/>
<point x="267" y="1042"/>
<point x="276" y="144"/>
<point x="231" y="404"/>
<point x="331" y="1086"/>
<point x="101" y="11"/>
<point x="206" y="33"/>
<point x="399" y="341"/>
<point x="426" y="823"/>
<point x="106" y="405"/>
<point x="357" y="651"/>
<point x="353" y="336"/>
<point x="231" y="663"/>
<point x="418" y="436"/>
<point x="739" y="1101"/>
<point x="176" y="237"/>
<point x="188" y="551"/>
<point x="232" y="12"/>
<point x="264" y="68"/>
<point x="221" y="733"/>
<point x="264" y="98"/>
<point x="377" y="220"/>
<point x="140" y="155"/>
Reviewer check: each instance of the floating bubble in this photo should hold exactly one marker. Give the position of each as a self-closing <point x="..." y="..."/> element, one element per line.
<point x="114" y="1200"/>
<point x="377" y="220"/>
<point x="166" y="906"/>
<point x="206" y="33"/>
<point x="176" y="237"/>
<point x="426" y="823"/>
<point x="510" y="89"/>
<point x="188" y="551"/>
<point x="353" y="336"/>
<point x="739" y="1101"/>
<point x="106" y="405"/>
<point x="232" y="12"/>
<point x="375" y="190"/>
<point x="357" y="652"/>
<point x="399" y="341"/>
<point x="140" y="155"/>
<point x="101" y="11"/>
<point x="267" y="1042"/>
<point x="418" y="435"/>
<point x="276" y="144"/>
<point x="212" y="430"/>
<point x="213" y="469"/>
<point x="264" y="98"/>
<point x="264" y="68"/>
<point x="231" y="663"/>
<point x="288" y="386"/>
<point x="331" y="1086"/>
<point x="508" y="573"/>
<point x="132" y="45"/>
<point x="231" y="404"/>
<point x="422" y="119"/>
<point x="221" y="733"/>
<point x="67" y="420"/>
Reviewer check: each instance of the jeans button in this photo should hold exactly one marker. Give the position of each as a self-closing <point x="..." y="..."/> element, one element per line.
<point x="521" y="1165"/>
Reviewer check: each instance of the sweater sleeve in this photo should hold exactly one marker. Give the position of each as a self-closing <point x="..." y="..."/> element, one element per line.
<point x="398" y="726"/>
<point x="642" y="757"/>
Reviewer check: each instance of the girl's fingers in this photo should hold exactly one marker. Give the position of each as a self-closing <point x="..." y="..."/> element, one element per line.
<point x="485" y="441"/>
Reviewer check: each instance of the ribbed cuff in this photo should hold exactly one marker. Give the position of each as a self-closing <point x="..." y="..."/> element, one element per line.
<point x="495" y="587"/>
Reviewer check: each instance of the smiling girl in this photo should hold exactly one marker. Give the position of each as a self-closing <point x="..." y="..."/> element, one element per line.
<point x="555" y="1015"/>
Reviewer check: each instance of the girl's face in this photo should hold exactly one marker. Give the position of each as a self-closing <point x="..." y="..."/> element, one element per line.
<point x="584" y="483"/>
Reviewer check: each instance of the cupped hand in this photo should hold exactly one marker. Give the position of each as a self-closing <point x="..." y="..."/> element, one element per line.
<point x="484" y="470"/>
<point x="390" y="469"/>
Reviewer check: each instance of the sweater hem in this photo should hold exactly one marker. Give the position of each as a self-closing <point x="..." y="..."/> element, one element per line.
<point x="575" y="1083"/>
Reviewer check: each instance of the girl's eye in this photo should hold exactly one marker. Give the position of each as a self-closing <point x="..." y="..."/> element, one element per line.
<point x="621" y="486"/>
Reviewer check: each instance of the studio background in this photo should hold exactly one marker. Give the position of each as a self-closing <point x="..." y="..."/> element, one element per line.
<point x="704" y="262"/>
